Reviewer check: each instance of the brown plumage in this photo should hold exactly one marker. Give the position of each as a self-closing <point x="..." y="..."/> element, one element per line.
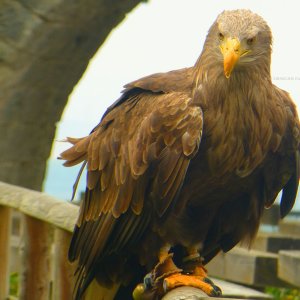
<point x="187" y="158"/>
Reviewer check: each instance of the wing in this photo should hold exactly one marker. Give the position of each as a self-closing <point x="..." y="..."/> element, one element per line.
<point x="174" y="81"/>
<point x="286" y="164"/>
<point x="137" y="158"/>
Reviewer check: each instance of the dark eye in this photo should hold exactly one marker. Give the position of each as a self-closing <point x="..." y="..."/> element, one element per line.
<point x="250" y="41"/>
<point x="221" y="36"/>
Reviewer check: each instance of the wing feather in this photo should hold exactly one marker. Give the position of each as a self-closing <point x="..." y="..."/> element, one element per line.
<point x="284" y="159"/>
<point x="92" y="179"/>
<point x="139" y="151"/>
<point x="104" y="155"/>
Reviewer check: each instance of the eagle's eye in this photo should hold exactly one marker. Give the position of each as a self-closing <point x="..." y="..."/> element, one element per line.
<point x="221" y="36"/>
<point x="250" y="41"/>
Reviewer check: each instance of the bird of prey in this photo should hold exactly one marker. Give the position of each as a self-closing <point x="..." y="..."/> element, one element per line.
<point x="182" y="165"/>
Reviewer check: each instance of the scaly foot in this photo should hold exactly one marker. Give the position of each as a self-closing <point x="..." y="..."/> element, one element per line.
<point x="152" y="288"/>
<point x="198" y="280"/>
<point x="167" y="276"/>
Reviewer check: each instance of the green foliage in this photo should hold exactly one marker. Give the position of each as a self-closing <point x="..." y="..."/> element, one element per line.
<point x="283" y="293"/>
<point x="13" y="284"/>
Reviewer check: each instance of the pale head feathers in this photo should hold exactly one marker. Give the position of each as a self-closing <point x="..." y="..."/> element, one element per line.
<point x="243" y="24"/>
<point x="250" y="30"/>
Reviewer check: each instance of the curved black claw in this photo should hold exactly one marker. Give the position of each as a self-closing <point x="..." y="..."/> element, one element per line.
<point x="216" y="291"/>
<point x="152" y="286"/>
<point x="148" y="281"/>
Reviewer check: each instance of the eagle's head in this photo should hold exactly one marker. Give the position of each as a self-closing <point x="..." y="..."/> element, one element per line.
<point x="239" y="39"/>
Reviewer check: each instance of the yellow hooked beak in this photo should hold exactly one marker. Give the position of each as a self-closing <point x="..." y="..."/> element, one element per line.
<point x="231" y="50"/>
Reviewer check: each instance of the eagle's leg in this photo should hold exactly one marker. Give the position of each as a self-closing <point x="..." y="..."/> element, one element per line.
<point x="194" y="274"/>
<point x="166" y="276"/>
<point x="153" y="288"/>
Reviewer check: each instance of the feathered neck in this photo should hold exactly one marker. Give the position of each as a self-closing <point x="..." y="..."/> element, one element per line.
<point x="233" y="109"/>
<point x="209" y="71"/>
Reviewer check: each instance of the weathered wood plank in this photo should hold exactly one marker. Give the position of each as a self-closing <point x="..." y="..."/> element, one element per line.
<point x="275" y="241"/>
<point x="15" y="242"/>
<point x="64" y="279"/>
<point x="39" y="205"/>
<point x="291" y="227"/>
<point x="5" y="228"/>
<point x="250" y="267"/>
<point x="36" y="256"/>
<point x="289" y="266"/>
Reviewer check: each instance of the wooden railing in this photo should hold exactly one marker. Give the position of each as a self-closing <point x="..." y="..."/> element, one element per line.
<point x="274" y="259"/>
<point x="46" y="274"/>
<point x="45" y="234"/>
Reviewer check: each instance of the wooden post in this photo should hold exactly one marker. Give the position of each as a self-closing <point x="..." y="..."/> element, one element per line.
<point x="35" y="276"/>
<point x="289" y="266"/>
<point x="63" y="281"/>
<point x="5" y="229"/>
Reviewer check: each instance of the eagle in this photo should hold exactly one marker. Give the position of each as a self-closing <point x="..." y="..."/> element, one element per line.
<point x="183" y="164"/>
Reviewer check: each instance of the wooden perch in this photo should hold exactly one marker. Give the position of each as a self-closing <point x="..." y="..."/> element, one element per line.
<point x="229" y="290"/>
<point x="186" y="292"/>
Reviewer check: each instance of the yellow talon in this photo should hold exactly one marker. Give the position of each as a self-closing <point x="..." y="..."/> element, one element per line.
<point x="177" y="280"/>
<point x="138" y="292"/>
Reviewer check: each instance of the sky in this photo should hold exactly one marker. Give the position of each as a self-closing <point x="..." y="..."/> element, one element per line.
<point x="163" y="35"/>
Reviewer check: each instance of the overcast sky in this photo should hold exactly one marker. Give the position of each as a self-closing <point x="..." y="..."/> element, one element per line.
<point x="162" y="35"/>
